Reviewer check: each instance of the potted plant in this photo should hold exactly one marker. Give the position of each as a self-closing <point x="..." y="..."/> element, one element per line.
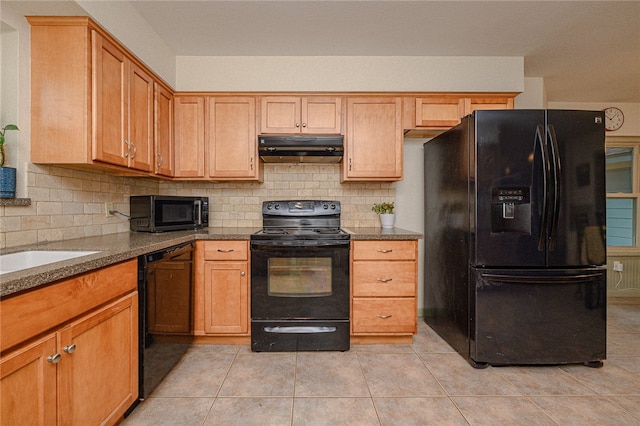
<point x="386" y="212"/>
<point x="7" y="174"/>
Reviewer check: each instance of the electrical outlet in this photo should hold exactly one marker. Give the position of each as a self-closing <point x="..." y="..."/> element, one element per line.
<point x="617" y="266"/>
<point x="108" y="206"/>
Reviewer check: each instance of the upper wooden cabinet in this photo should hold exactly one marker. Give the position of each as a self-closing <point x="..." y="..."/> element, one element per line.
<point x="189" y="136"/>
<point x="163" y="131"/>
<point x="443" y="111"/>
<point x="231" y="138"/>
<point x="91" y="100"/>
<point x="373" y="143"/>
<point x="295" y="114"/>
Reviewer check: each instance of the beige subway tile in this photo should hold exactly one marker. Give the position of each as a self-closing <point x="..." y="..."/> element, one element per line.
<point x="24" y="237"/>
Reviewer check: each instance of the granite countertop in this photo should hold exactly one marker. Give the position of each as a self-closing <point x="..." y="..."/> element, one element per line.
<point x="114" y="248"/>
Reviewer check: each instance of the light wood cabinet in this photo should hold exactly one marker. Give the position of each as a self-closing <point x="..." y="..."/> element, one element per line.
<point x="222" y="288"/>
<point x="295" y="114"/>
<point x="189" y="136"/>
<point x="384" y="288"/>
<point x="374" y="139"/>
<point x="443" y="111"/>
<point x="91" y="101"/>
<point x="231" y="138"/>
<point x="28" y="380"/>
<point x="163" y="131"/>
<point x="70" y="350"/>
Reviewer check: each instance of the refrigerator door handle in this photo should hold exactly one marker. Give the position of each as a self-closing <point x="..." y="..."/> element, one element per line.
<point x="539" y="141"/>
<point x="556" y="171"/>
<point x="542" y="279"/>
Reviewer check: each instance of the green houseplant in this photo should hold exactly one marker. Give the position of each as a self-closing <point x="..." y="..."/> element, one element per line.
<point x="386" y="212"/>
<point x="7" y="174"/>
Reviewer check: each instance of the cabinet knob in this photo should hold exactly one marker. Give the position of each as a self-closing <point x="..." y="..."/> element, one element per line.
<point x="243" y="273"/>
<point x="383" y="316"/>
<point x="70" y="348"/>
<point x="384" y="280"/>
<point x="54" y="359"/>
<point x="304" y="124"/>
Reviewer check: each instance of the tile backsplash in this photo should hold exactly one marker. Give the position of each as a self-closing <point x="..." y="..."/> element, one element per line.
<point x="69" y="203"/>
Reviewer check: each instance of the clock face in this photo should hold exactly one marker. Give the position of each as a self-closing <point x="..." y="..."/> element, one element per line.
<point x="613" y="118"/>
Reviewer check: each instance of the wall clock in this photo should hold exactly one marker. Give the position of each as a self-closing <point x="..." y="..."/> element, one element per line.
<point x="613" y="118"/>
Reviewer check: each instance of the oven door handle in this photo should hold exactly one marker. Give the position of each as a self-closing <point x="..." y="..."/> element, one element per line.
<point x="300" y="329"/>
<point x="307" y="243"/>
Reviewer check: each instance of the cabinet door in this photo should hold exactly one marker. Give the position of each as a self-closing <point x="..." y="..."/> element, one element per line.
<point x="280" y="114"/>
<point x="28" y="385"/>
<point x="98" y="375"/>
<point x="374" y="139"/>
<point x="163" y="131"/>
<point x="189" y="136"/>
<point x="439" y="111"/>
<point x="226" y="298"/>
<point x="488" y="102"/>
<point x="321" y="114"/>
<point x="232" y="138"/>
<point x="140" y="135"/>
<point x="110" y="78"/>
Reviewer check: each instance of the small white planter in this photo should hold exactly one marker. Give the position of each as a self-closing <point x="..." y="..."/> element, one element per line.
<point x="387" y="220"/>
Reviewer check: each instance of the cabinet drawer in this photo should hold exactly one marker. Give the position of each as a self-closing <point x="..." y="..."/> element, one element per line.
<point x="384" y="250"/>
<point x="29" y="314"/>
<point x="388" y="315"/>
<point x="226" y="250"/>
<point x="384" y="278"/>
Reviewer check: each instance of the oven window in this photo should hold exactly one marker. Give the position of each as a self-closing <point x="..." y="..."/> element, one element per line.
<point x="299" y="276"/>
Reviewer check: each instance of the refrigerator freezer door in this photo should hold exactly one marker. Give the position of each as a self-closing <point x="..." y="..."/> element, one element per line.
<point x="577" y="228"/>
<point x="508" y="188"/>
<point x="538" y="316"/>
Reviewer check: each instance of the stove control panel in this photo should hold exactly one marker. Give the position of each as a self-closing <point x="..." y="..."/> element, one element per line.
<point x="300" y="208"/>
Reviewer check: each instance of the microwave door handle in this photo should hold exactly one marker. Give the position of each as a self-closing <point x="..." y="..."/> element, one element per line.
<point x="198" y="212"/>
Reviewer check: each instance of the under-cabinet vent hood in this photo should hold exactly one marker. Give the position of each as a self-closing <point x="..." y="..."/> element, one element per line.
<point x="300" y="149"/>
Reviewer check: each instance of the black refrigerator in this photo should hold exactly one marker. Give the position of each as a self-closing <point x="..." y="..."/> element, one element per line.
<point x="515" y="243"/>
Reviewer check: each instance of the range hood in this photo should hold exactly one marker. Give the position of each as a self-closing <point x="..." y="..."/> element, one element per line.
<point x="300" y="149"/>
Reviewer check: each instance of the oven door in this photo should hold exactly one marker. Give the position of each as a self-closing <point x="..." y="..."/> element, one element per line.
<point x="299" y="280"/>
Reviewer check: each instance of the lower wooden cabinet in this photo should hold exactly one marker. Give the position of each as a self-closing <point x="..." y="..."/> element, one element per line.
<point x="85" y="369"/>
<point x="28" y="379"/>
<point x="85" y="373"/>
<point x="222" y="288"/>
<point x="383" y="287"/>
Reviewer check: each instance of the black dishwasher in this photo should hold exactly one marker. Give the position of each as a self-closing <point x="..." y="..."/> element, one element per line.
<point x="165" y="286"/>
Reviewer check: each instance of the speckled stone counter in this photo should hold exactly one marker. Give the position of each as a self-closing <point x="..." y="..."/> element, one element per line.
<point x="116" y="248"/>
<point x="113" y="248"/>
<point x="382" y="234"/>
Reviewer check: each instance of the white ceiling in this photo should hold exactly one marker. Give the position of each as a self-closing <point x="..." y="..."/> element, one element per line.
<point x="587" y="51"/>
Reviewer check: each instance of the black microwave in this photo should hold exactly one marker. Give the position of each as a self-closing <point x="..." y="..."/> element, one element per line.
<point x="161" y="213"/>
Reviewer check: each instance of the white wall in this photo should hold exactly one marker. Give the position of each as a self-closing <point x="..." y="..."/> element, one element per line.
<point x="340" y="73"/>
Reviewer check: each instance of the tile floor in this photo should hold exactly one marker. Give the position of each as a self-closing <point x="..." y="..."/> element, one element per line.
<point x="425" y="383"/>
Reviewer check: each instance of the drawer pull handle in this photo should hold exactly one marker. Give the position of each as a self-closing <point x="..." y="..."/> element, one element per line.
<point x="70" y="348"/>
<point x="384" y="280"/>
<point x="384" y="250"/>
<point x="383" y="316"/>
<point x="54" y="359"/>
<point x="226" y="251"/>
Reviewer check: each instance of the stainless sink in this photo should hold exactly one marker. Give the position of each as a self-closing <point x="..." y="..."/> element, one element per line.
<point x="30" y="259"/>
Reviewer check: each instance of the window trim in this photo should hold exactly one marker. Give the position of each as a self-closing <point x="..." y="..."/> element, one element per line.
<point x="628" y="142"/>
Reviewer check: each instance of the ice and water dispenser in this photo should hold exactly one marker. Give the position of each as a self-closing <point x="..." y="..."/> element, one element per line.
<point x="510" y="210"/>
